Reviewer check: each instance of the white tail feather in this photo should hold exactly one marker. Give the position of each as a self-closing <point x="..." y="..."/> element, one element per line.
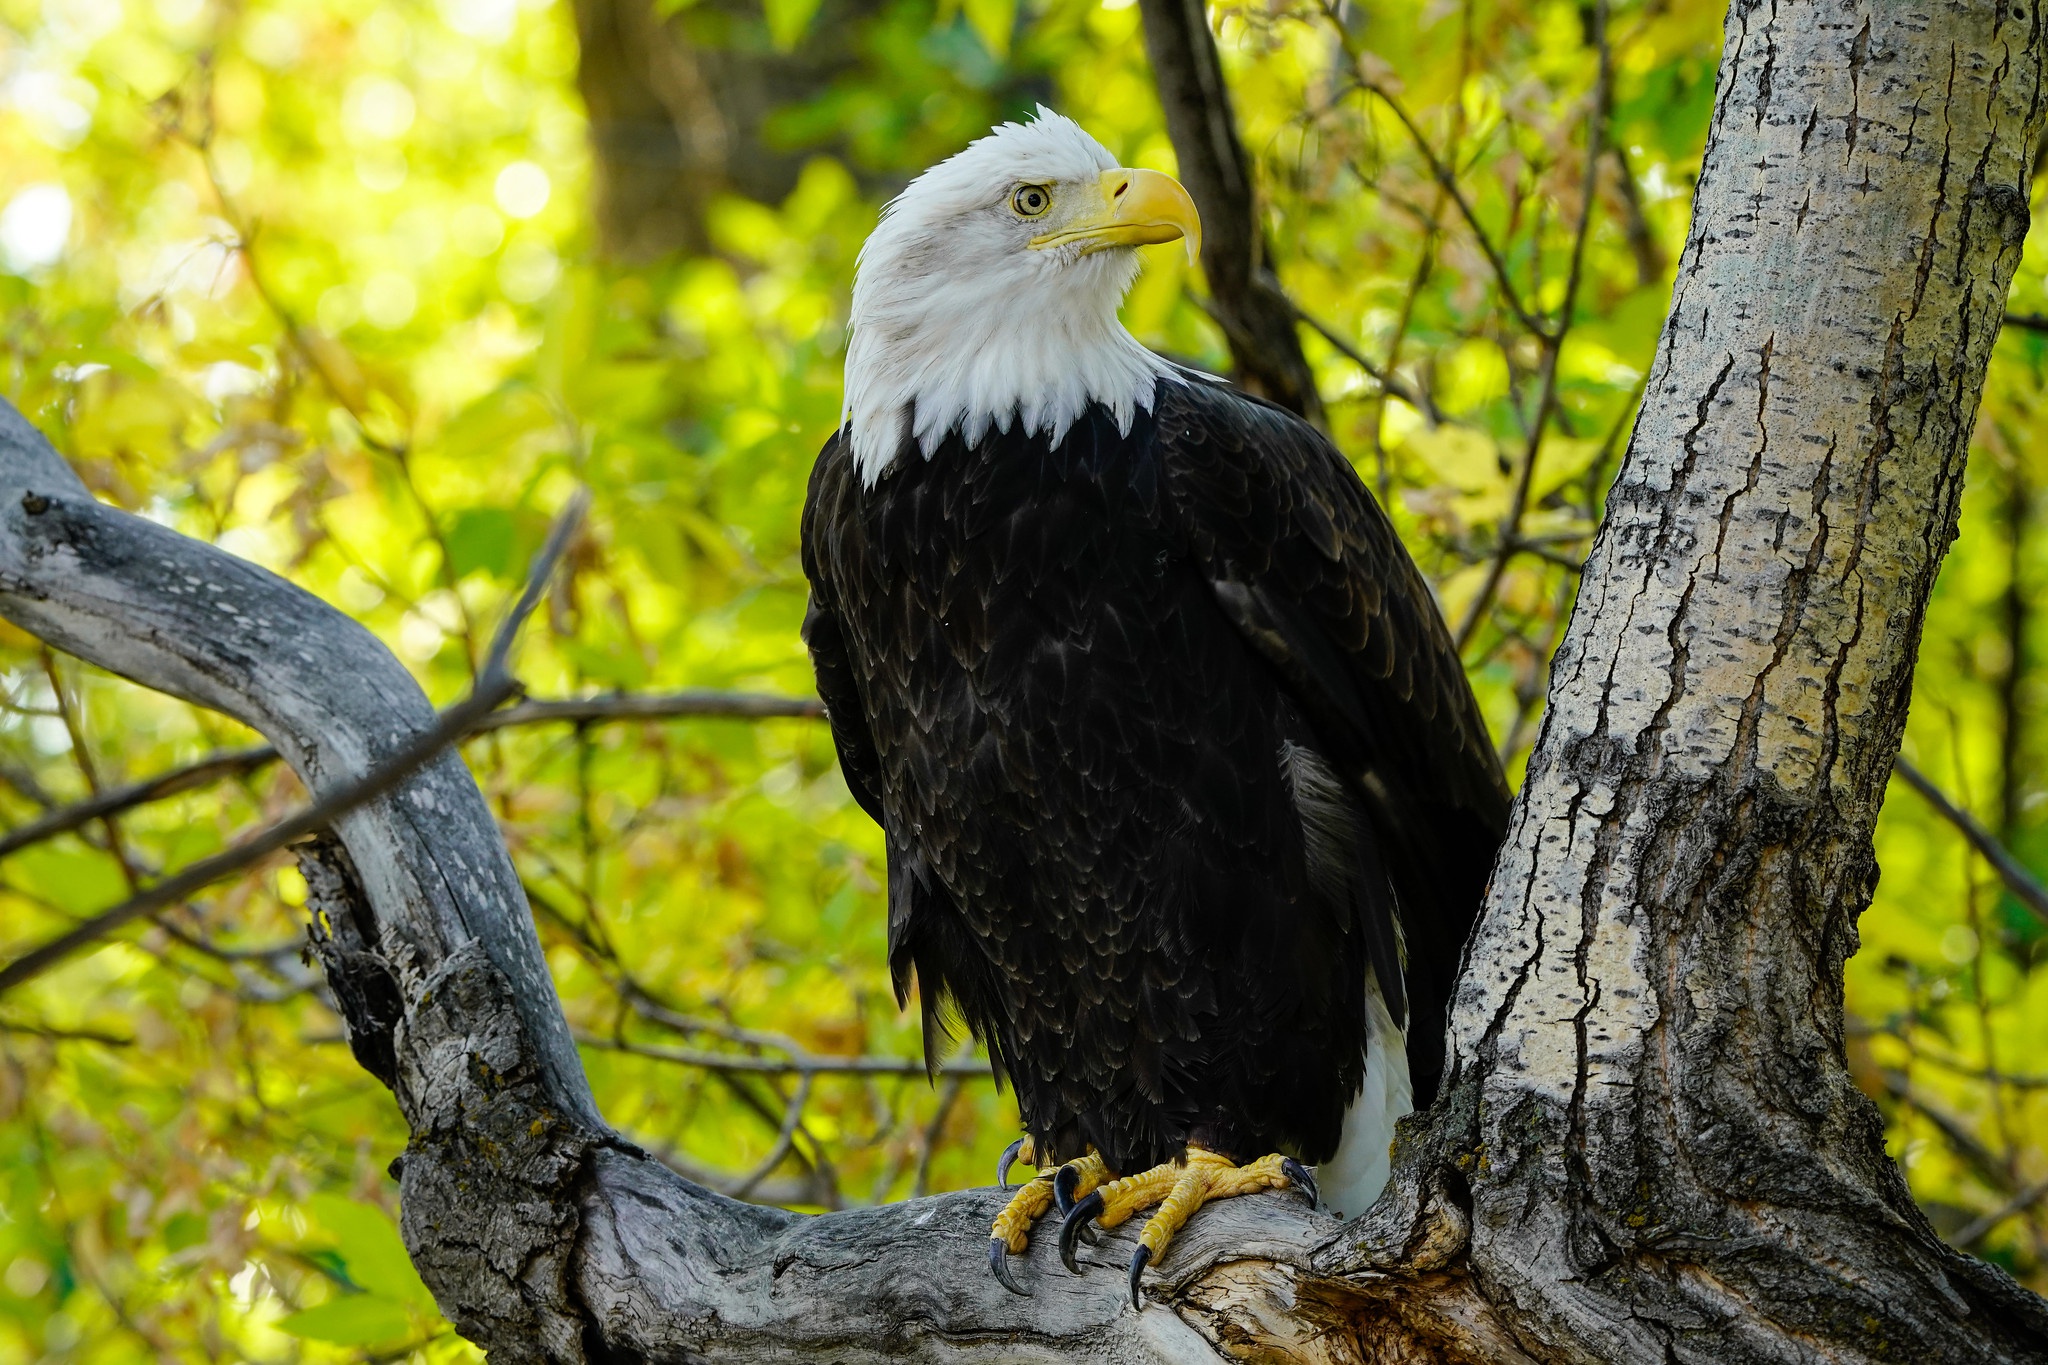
<point x="1353" y="1179"/>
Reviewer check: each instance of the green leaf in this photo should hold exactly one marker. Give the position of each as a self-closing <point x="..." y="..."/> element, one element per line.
<point x="787" y="20"/>
<point x="183" y="1230"/>
<point x="370" y="1248"/>
<point x="352" y="1320"/>
<point x="481" y="538"/>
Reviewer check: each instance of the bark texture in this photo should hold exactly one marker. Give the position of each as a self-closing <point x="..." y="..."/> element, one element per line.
<point x="1650" y="1149"/>
<point x="1663" y="1154"/>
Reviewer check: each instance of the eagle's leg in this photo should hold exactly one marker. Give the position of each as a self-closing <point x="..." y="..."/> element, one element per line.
<point x="1178" y="1189"/>
<point x="1062" y="1186"/>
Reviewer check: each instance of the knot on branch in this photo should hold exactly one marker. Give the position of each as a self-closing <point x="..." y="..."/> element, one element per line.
<point x="2008" y="205"/>
<point x="341" y="934"/>
<point x="1423" y="1223"/>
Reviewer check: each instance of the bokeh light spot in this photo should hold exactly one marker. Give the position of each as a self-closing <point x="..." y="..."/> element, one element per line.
<point x="522" y="189"/>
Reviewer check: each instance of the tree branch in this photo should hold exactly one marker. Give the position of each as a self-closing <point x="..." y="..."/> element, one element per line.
<point x="1246" y="301"/>
<point x="620" y="706"/>
<point x="2025" y="889"/>
<point x="493" y="685"/>
<point x="797" y="1064"/>
<point x="1551" y="340"/>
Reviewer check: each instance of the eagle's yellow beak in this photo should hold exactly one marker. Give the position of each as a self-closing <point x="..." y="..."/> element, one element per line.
<point x="1140" y="208"/>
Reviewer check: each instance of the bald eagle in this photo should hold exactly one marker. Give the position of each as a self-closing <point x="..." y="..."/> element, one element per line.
<point x="1188" y="805"/>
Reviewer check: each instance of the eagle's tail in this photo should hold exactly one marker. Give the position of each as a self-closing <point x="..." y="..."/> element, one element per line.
<point x="1353" y="1178"/>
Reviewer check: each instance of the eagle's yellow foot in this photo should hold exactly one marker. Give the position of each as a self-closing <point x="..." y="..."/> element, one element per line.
<point x="1178" y="1189"/>
<point x="1062" y="1186"/>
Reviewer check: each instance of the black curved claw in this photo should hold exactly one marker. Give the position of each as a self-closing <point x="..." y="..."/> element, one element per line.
<point x="1140" y="1258"/>
<point x="999" y="1263"/>
<point x="1077" y="1218"/>
<point x="1064" y="1180"/>
<point x="1007" y="1160"/>
<point x="1300" y="1175"/>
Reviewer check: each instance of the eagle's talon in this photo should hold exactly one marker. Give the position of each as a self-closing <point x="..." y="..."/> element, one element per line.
<point x="1140" y="1258"/>
<point x="1008" y="1159"/>
<point x="1303" y="1178"/>
<point x="1075" y="1178"/>
<point x="1070" y="1230"/>
<point x="999" y="1263"/>
<point x="1066" y="1185"/>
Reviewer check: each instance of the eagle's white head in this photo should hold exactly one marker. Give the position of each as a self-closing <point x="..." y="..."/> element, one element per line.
<point x="988" y="294"/>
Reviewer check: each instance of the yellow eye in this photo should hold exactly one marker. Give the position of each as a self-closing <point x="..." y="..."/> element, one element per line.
<point x="1031" y="201"/>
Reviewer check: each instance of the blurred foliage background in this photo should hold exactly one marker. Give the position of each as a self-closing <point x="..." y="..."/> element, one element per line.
<point x="360" y="289"/>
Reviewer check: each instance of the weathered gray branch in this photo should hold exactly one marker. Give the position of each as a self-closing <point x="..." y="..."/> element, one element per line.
<point x="543" y="1235"/>
<point x="493" y="685"/>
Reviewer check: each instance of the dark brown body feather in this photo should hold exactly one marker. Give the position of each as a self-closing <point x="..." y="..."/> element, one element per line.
<point x="1065" y="682"/>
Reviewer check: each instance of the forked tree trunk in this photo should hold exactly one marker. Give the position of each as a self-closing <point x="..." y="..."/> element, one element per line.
<point x="1650" y="1149"/>
<point x="1656" y="1143"/>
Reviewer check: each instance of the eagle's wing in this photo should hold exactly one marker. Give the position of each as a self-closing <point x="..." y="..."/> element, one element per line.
<point x="923" y="935"/>
<point x="831" y="486"/>
<point x="1309" y="569"/>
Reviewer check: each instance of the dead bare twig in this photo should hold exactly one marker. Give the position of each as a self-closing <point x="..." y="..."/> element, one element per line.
<point x="494" y="685"/>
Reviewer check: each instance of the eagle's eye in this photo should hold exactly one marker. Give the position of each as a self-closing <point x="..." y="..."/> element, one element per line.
<point x="1031" y="201"/>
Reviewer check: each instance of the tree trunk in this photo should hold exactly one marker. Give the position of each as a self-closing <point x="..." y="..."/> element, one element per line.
<point x="1650" y="1149"/>
<point x="1663" y="1154"/>
<point x="683" y="101"/>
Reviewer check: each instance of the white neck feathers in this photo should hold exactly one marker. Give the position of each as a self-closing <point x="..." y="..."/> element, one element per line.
<point x="931" y="357"/>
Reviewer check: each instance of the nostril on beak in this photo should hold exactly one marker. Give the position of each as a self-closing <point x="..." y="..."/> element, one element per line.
<point x="1118" y="192"/>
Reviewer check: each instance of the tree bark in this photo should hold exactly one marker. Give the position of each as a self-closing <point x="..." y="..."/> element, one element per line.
<point x="1649" y="1150"/>
<point x="1665" y="1158"/>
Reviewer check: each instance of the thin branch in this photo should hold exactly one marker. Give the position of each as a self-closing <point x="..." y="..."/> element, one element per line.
<point x="64" y="819"/>
<point x="1966" y="1144"/>
<point x="2028" y="322"/>
<point x="584" y="710"/>
<point x="1972" y="1233"/>
<point x="921" y="1182"/>
<point x="1955" y="1066"/>
<point x="785" y="1138"/>
<point x="65" y="1035"/>
<point x="656" y="706"/>
<point x="2025" y="889"/>
<point x="1445" y="178"/>
<point x="1388" y="381"/>
<point x="1425" y="266"/>
<point x="493" y="686"/>
<point x="1552" y="341"/>
<point x="799" y="1064"/>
